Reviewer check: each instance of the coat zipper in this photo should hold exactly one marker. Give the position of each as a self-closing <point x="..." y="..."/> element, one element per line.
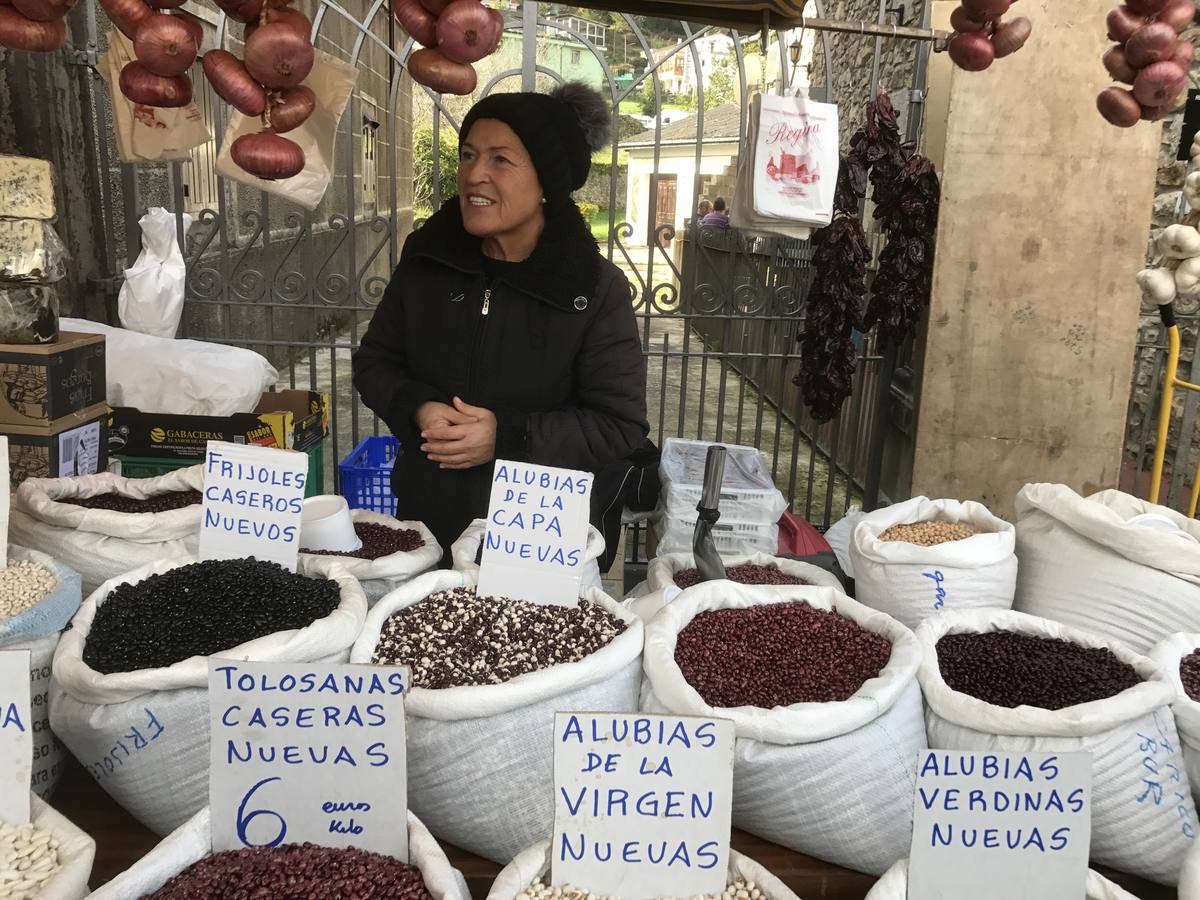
<point x="477" y="343"/>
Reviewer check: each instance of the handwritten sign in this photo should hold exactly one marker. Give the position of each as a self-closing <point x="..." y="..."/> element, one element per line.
<point x="16" y="737"/>
<point x="642" y="804"/>
<point x="252" y="503"/>
<point x="993" y="826"/>
<point x="537" y="530"/>
<point x="308" y="752"/>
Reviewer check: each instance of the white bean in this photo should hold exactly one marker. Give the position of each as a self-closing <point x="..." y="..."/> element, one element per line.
<point x="28" y="859"/>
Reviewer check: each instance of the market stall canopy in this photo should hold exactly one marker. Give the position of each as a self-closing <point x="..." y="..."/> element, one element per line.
<point x="741" y="14"/>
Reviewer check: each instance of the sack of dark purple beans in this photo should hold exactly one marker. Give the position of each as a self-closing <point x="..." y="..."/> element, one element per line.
<point x="1053" y="688"/>
<point x="1109" y="563"/>
<point x="804" y="770"/>
<point x="894" y="886"/>
<point x="129" y="695"/>
<point x="191" y="842"/>
<point x="480" y="753"/>
<point x="465" y="553"/>
<point x="1179" y="659"/>
<point x="67" y="518"/>
<point x="379" y="574"/>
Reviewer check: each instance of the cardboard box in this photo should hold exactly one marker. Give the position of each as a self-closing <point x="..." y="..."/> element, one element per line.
<point x="43" y="383"/>
<point x="291" y="420"/>
<point x="76" y="444"/>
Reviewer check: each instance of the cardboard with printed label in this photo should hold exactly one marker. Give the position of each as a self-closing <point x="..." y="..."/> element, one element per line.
<point x="16" y="736"/>
<point x="76" y="444"/>
<point x="42" y="383"/>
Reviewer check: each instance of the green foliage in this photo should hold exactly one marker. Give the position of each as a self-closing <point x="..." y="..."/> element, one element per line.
<point x="588" y="210"/>
<point x="721" y="87"/>
<point x="627" y="127"/>
<point x="646" y="97"/>
<point x="423" y="165"/>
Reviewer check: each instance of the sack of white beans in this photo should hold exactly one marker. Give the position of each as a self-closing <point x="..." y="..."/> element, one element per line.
<point x="143" y="733"/>
<point x="480" y="755"/>
<point x="1143" y="817"/>
<point x="803" y="773"/>
<point x="192" y="842"/>
<point x="911" y="581"/>
<point x="55" y="852"/>
<point x="1119" y="567"/>
<point x="894" y="886"/>
<point x="101" y="544"/>
<point x="533" y="864"/>
<point x="1167" y="655"/>
<point x="465" y="553"/>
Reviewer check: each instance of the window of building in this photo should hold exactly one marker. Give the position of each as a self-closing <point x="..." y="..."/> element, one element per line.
<point x="576" y="57"/>
<point x="370" y="173"/>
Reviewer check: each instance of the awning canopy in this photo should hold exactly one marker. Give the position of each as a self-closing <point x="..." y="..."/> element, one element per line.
<point x="745" y="15"/>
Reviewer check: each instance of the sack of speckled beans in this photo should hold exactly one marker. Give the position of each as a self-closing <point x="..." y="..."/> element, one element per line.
<point x="823" y="695"/>
<point x="894" y="886"/>
<point x="488" y="675"/>
<point x="129" y="695"/>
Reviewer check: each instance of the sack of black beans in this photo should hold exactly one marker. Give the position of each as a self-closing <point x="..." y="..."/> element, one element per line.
<point x="1179" y="659"/>
<point x="392" y="553"/>
<point x="1005" y="681"/>
<point x="38" y="597"/>
<point x="528" y="877"/>
<point x="1119" y="567"/>
<point x="49" y="858"/>
<point x="191" y="843"/>
<point x="465" y="553"/>
<point x="104" y="525"/>
<point x="129" y="695"/>
<point x="894" y="886"/>
<point x="914" y="559"/>
<point x="488" y="676"/>
<point x="671" y="573"/>
<point x="823" y="694"/>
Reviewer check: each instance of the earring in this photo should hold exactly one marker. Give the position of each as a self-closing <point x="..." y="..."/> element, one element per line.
<point x="543" y="200"/>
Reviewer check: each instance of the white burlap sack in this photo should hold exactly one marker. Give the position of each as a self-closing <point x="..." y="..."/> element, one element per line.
<point x="100" y="544"/>
<point x="192" y="841"/>
<point x="894" y="886"/>
<point x="912" y="582"/>
<point x="481" y="757"/>
<point x="143" y="735"/>
<point x="1136" y="827"/>
<point x="804" y="774"/>
<point x="661" y="588"/>
<point x="534" y="862"/>
<point x="378" y="576"/>
<point x="1085" y="564"/>
<point x="1167" y="655"/>
<point x="465" y="551"/>
<point x="1189" y="878"/>
<point x="76" y="851"/>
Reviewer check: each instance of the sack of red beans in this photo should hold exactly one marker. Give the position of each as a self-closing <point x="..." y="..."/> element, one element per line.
<point x="104" y="525"/>
<point x="465" y="553"/>
<point x="70" y="864"/>
<point x="1110" y="563"/>
<point x="299" y="877"/>
<point x="480" y="745"/>
<point x="894" y="886"/>
<point x="392" y="553"/>
<point x="1179" y="659"/>
<point x="129" y="695"/>
<point x="912" y="581"/>
<point x="823" y="694"/>
<point x="1009" y="682"/>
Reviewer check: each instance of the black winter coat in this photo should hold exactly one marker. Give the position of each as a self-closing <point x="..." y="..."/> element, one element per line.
<point x="550" y="346"/>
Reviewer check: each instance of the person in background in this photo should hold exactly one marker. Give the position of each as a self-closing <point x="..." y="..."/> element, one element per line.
<point x="703" y="209"/>
<point x="718" y="217"/>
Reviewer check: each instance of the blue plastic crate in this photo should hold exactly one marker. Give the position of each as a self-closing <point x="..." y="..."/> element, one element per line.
<point x="365" y="475"/>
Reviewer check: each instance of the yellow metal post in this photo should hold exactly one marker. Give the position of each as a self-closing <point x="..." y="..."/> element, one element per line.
<point x="1164" y="413"/>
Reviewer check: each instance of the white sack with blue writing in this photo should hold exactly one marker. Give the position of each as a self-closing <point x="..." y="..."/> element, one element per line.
<point x="481" y="757"/>
<point x="76" y="852"/>
<point x="192" y="841"/>
<point x="465" y="553"/>
<point x="803" y="774"/>
<point x="1143" y="817"/>
<point x="1167" y="654"/>
<point x="1110" y="563"/>
<point x="1189" y="878"/>
<point x="534" y="863"/>
<point x="894" y="886"/>
<point x="386" y="573"/>
<point x="143" y="735"/>
<point x="912" y="582"/>
<point x="101" y="544"/>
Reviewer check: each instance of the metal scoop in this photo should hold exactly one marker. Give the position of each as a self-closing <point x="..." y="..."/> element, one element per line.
<point x="708" y="561"/>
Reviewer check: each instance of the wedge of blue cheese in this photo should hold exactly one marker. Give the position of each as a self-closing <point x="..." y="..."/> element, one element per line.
<point x="26" y="188"/>
<point x="30" y="252"/>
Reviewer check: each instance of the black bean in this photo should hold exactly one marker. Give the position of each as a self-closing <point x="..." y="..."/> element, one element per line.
<point x="379" y="540"/>
<point x="120" y="503"/>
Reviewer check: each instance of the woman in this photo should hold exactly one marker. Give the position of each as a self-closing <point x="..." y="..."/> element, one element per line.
<point x="504" y="334"/>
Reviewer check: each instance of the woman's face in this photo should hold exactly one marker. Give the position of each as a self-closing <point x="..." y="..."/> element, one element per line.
<point x="498" y="187"/>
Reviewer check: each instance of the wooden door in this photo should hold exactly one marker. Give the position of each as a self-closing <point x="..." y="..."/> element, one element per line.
<point x="664" y="208"/>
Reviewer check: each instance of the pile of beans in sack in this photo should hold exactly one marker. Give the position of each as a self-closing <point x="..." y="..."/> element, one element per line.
<point x="823" y="695"/>
<point x="915" y="559"/>
<point x="104" y="525"/>
<point x="488" y="676"/>
<point x="467" y="549"/>
<point x="129" y="695"/>
<point x="46" y="857"/>
<point x="392" y="552"/>
<point x="1110" y="563"/>
<point x="1178" y="658"/>
<point x="1008" y="682"/>
<point x="184" y="867"/>
<point x="894" y="886"/>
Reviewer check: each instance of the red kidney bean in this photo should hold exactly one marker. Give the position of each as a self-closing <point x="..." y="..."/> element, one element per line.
<point x="379" y="540"/>
<point x="118" y="503"/>
<point x="1189" y="674"/>
<point x="746" y="573"/>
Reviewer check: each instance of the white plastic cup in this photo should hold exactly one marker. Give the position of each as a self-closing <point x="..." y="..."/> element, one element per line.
<point x="325" y="524"/>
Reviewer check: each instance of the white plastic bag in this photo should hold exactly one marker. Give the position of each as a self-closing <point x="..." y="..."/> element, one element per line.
<point x="143" y="735"/>
<point x="804" y="774"/>
<point x="76" y="852"/>
<point x="894" y="886"/>
<point x="1143" y="818"/>
<point x="465" y="551"/>
<point x="839" y="535"/>
<point x="912" y="582"/>
<point x="151" y="298"/>
<point x="192" y="841"/>
<point x="1167" y="655"/>
<point x="481" y="757"/>
<point x="796" y="159"/>
<point x="378" y="576"/>
<point x="1091" y="563"/>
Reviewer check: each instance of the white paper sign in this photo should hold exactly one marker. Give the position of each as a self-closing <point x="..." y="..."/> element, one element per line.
<point x="308" y="752"/>
<point x="642" y="804"/>
<point x="253" y="500"/>
<point x="993" y="826"/>
<point x="16" y="737"/>
<point x="537" y="530"/>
